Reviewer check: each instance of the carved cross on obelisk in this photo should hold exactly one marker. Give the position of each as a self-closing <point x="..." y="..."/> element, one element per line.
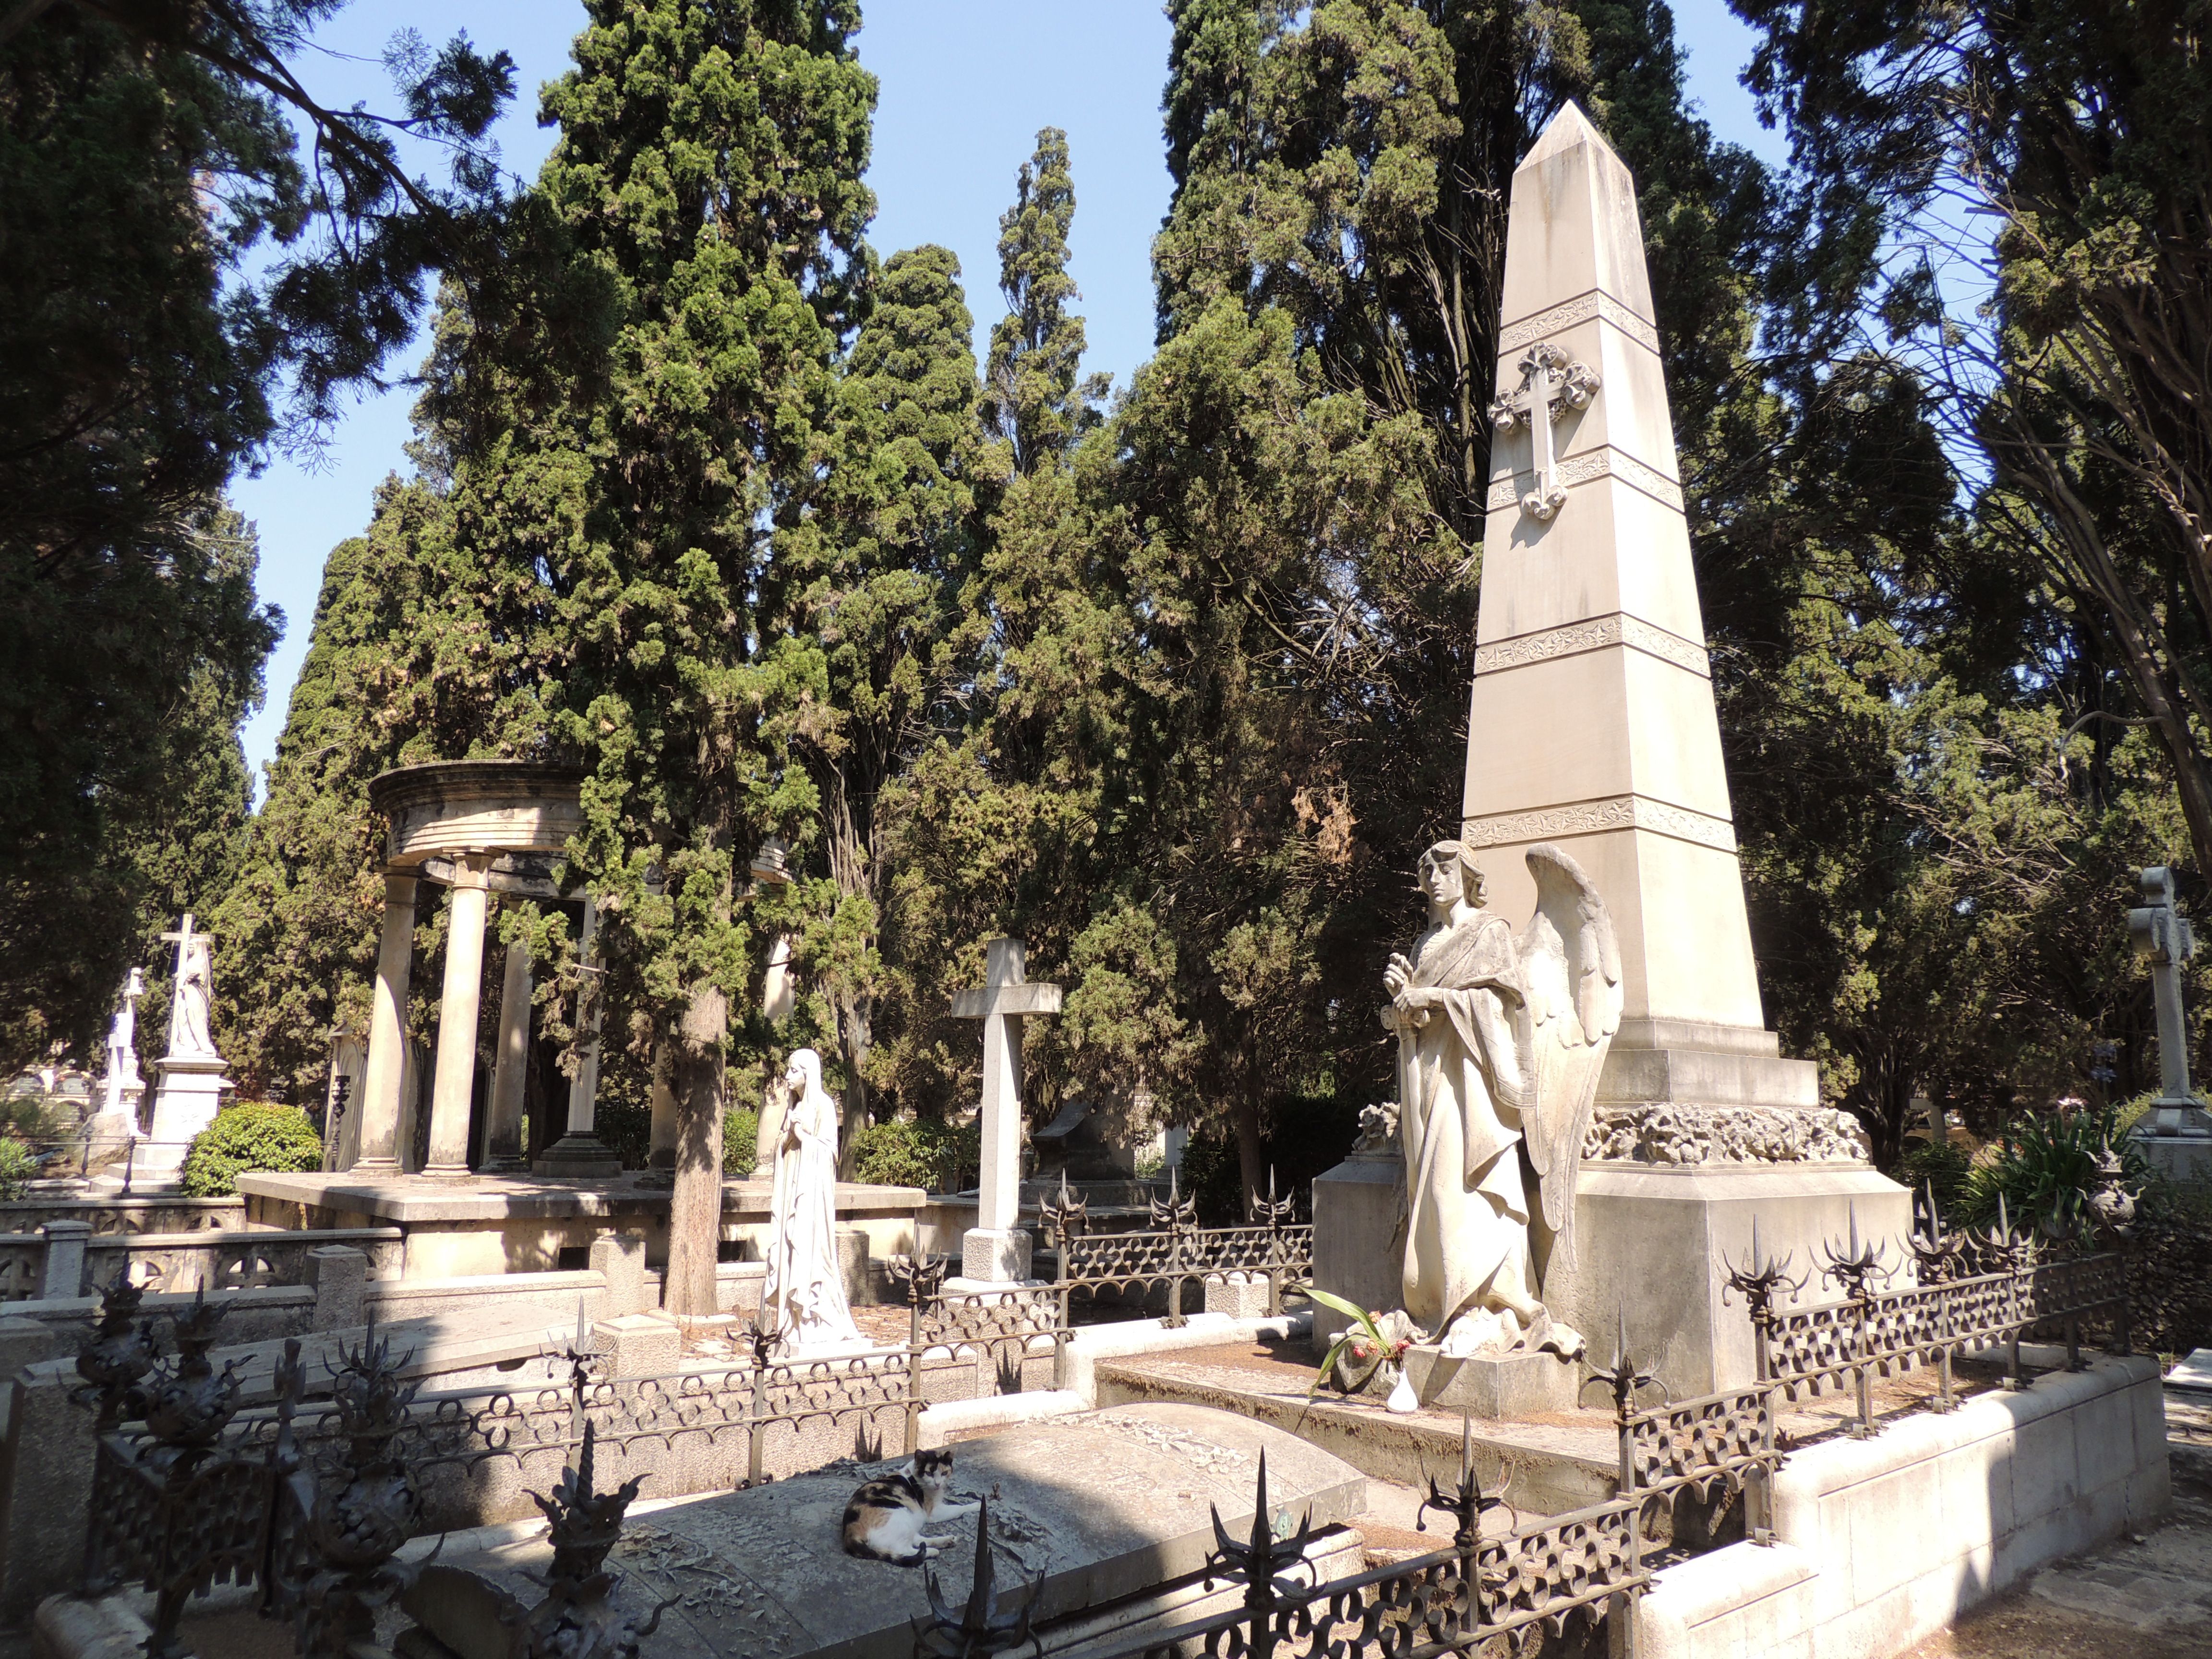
<point x="1551" y="382"/>
<point x="2162" y="933"/>
<point x="995" y="1250"/>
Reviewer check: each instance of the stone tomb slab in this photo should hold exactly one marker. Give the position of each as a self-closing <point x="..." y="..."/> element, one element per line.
<point x="1103" y="1505"/>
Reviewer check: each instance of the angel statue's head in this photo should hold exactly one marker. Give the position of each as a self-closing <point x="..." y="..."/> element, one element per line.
<point x="1448" y="873"/>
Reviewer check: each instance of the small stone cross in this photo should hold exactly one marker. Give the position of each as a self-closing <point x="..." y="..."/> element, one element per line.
<point x="1554" y="382"/>
<point x="2162" y="933"/>
<point x="995" y="1250"/>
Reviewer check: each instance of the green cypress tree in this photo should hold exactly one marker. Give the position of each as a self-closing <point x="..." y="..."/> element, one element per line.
<point x="888" y="552"/>
<point x="1033" y="396"/>
<point x="709" y="169"/>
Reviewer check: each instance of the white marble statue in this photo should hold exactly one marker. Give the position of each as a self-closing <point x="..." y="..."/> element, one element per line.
<point x="192" y="998"/>
<point x="122" y="1082"/>
<point x="1499" y="1043"/>
<point x="803" y="1298"/>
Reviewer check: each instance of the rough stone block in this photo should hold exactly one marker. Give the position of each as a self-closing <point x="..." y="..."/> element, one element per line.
<point x="1357" y="1252"/>
<point x="641" y="1344"/>
<point x="853" y="1264"/>
<point x="996" y="1255"/>
<point x="1241" y="1296"/>
<point x="24" y="1342"/>
<point x="338" y="1275"/>
<point x="619" y="1258"/>
<point x="65" y="1274"/>
<point x="49" y="1463"/>
<point x="68" y="1628"/>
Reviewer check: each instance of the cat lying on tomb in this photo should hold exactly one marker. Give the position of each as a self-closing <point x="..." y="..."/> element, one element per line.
<point x="885" y="1519"/>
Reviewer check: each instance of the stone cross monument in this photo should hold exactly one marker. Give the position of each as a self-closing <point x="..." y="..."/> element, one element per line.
<point x="2176" y="1134"/>
<point x="188" y="1081"/>
<point x="1592" y="727"/>
<point x="995" y="1250"/>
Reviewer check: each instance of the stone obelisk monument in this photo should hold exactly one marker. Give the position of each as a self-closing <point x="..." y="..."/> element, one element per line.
<point x="1593" y="726"/>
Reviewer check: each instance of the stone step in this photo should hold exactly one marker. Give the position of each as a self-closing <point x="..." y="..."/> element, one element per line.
<point x="1542" y="1467"/>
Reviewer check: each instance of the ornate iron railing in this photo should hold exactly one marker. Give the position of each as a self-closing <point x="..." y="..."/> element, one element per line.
<point x="1548" y="1573"/>
<point x="1977" y="1292"/>
<point x="1177" y="1255"/>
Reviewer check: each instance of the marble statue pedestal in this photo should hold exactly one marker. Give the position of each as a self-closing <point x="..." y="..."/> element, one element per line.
<point x="1496" y="1387"/>
<point x="1653" y="1243"/>
<point x="577" y="1157"/>
<point x="995" y="1256"/>
<point x="187" y="1093"/>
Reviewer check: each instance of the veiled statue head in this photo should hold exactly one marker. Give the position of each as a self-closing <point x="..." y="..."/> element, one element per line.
<point x="804" y="1071"/>
<point x="1448" y="873"/>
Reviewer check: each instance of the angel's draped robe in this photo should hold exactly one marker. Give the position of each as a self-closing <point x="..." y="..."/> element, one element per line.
<point x="1467" y="1214"/>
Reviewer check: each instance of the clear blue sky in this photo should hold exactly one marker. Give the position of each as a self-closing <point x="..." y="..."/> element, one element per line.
<point x="960" y="107"/>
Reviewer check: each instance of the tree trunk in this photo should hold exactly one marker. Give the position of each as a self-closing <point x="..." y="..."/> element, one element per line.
<point x="855" y="1036"/>
<point x="1251" y="1156"/>
<point x="694" y="1207"/>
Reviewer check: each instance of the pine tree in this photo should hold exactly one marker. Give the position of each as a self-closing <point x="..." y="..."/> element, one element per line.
<point x="1034" y="399"/>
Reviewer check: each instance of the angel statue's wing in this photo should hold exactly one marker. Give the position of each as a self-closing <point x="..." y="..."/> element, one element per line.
<point x="1572" y="964"/>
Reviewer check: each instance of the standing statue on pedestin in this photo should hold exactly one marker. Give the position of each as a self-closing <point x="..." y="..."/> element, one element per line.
<point x="1500" y="1041"/>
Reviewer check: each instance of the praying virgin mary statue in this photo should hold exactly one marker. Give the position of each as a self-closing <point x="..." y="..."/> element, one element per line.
<point x="803" y="1298"/>
<point x="1500" y="1040"/>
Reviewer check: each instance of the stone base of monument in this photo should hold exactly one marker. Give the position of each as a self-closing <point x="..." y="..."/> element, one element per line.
<point x="995" y="1255"/>
<point x="1098" y="1509"/>
<point x="187" y="1093"/>
<point x="2175" y="1138"/>
<point x="1495" y="1387"/>
<point x="1655" y="1243"/>
<point x="577" y="1157"/>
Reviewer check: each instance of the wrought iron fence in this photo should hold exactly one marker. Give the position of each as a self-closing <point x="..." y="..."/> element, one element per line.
<point x="1176" y="1251"/>
<point x="1479" y="1591"/>
<point x="1976" y="1291"/>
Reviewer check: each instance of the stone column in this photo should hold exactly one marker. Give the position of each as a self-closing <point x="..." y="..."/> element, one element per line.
<point x="503" y="1135"/>
<point x="387" y="1033"/>
<point x="579" y="1151"/>
<point x="453" y="1080"/>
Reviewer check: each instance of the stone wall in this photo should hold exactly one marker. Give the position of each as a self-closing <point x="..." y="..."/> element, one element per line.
<point x="1881" y="1543"/>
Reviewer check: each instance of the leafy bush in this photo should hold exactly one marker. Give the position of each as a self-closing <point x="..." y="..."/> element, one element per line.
<point x="740" y="1138"/>
<point x="18" y="1169"/>
<point x="2045" y="1168"/>
<point x="252" y="1135"/>
<point x="1939" y="1164"/>
<point x="925" y="1153"/>
<point x="625" y="1127"/>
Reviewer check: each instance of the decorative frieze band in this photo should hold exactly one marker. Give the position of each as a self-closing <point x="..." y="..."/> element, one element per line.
<point x="1588" y="818"/>
<point x="1587" y="468"/>
<point x="1595" y="634"/>
<point x="1580" y="309"/>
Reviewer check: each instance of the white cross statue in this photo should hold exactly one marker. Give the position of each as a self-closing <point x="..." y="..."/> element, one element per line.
<point x="996" y="1250"/>
<point x="2162" y="933"/>
<point x="191" y="996"/>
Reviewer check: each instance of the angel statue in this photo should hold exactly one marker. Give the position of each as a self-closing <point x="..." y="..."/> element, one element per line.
<point x="1499" y="1044"/>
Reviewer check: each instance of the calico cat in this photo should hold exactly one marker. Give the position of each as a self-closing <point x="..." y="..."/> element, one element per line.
<point x="885" y="1519"/>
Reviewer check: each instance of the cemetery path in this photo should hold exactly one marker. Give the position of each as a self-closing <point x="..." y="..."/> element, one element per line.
<point x="2136" y="1598"/>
